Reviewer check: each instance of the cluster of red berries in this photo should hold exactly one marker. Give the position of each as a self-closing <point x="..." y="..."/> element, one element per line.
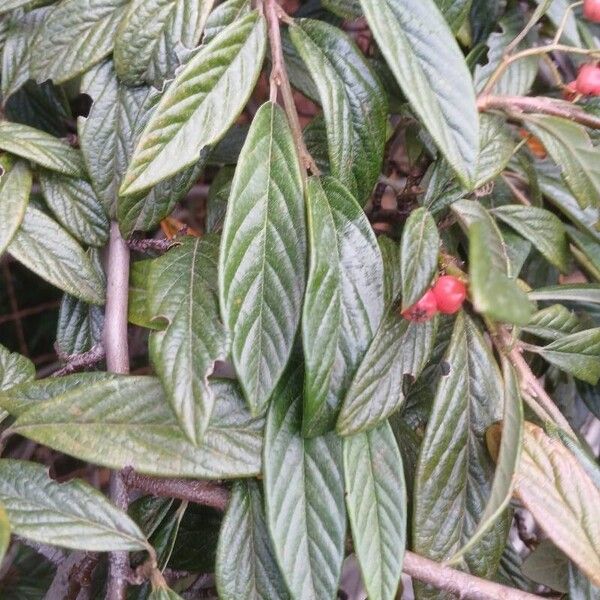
<point x="446" y="296"/>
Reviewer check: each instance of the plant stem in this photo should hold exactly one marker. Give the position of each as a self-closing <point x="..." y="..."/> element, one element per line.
<point x="280" y="82"/>
<point x="79" y="362"/>
<point x="117" y="361"/>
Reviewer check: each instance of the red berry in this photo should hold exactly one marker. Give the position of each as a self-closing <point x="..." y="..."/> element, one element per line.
<point x="591" y="10"/>
<point x="588" y="80"/>
<point x="450" y="293"/>
<point x="424" y="310"/>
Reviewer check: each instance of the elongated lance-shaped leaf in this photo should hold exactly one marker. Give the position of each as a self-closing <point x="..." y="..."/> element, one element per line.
<point x="120" y="421"/>
<point x="40" y="148"/>
<point x="418" y="255"/>
<point x="431" y="70"/>
<point x="343" y="304"/>
<point x="354" y="103"/>
<point x="182" y="289"/>
<point x="376" y="501"/>
<point x="562" y="498"/>
<point x="304" y="495"/>
<point x="147" y="37"/>
<point x="506" y="453"/>
<point x="80" y="326"/>
<point x="392" y="280"/>
<point x="553" y="323"/>
<point x="201" y="103"/>
<point x="224" y="14"/>
<point x="50" y="252"/>
<point x="246" y="566"/>
<point x="72" y="515"/>
<point x="262" y="266"/>
<point x="454" y="469"/>
<point x="15" y="186"/>
<point x="399" y="351"/>
<point x="77" y="35"/>
<point x="573" y="292"/>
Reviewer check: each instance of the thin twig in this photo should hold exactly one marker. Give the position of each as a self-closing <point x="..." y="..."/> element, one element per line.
<point x="117" y="361"/>
<point x="80" y="362"/>
<point x="200" y="492"/>
<point x="151" y="245"/>
<point x="280" y="81"/>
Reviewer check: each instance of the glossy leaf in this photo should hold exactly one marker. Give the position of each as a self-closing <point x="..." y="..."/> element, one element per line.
<point x="15" y="186"/>
<point x="454" y="11"/>
<point x="80" y="326"/>
<point x="553" y="322"/>
<point x="354" y="103"/>
<point x="400" y="350"/>
<point x="147" y="38"/>
<point x="40" y="148"/>
<point x="119" y="421"/>
<point x="578" y="354"/>
<point x="76" y="207"/>
<point x="454" y="468"/>
<point x="392" y="276"/>
<point x="376" y="501"/>
<point x="182" y="291"/>
<point x="218" y="196"/>
<point x="138" y="312"/>
<point x="246" y="566"/>
<point x="224" y="14"/>
<point x="76" y="35"/>
<point x="72" y="515"/>
<point x="570" y="147"/>
<point x="343" y="304"/>
<point x="348" y="9"/>
<point x="14" y="369"/>
<point x="574" y="292"/>
<point x="563" y="500"/>
<point x="304" y="496"/>
<point x="418" y="255"/>
<point x="430" y="68"/>
<point x="50" y="252"/>
<point x="201" y="103"/>
<point x="263" y="254"/>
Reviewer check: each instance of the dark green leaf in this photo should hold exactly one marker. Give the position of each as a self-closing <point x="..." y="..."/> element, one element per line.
<point x="392" y="275"/>
<point x="553" y="322"/>
<point x="15" y="186"/>
<point x="226" y="13"/>
<point x="419" y="255"/>
<point x="354" y="103"/>
<point x="8" y="5"/>
<point x="50" y="252"/>
<point x="72" y="515"/>
<point x="574" y="292"/>
<point x="343" y="304"/>
<point x="246" y="566"/>
<point x="120" y="421"/>
<point x="14" y="369"/>
<point x="376" y="500"/>
<point x="198" y="107"/>
<point x="76" y="35"/>
<point x="304" y="496"/>
<point x="348" y="9"/>
<point x="138" y="312"/>
<point x="263" y="254"/>
<point x="430" y="68"/>
<point x="455" y="12"/>
<point x="218" y="196"/>
<point x="182" y="291"/>
<point x="80" y="326"/>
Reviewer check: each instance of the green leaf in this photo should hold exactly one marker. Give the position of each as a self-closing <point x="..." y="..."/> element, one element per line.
<point x="19" y="44"/>
<point x="15" y="186"/>
<point x="218" y="196"/>
<point x="563" y="500"/>
<point x="419" y="255"/>
<point x="455" y="12"/>
<point x="454" y="469"/>
<point x="541" y="227"/>
<point x="588" y="245"/>
<point x="138" y="312"/>
<point x="150" y="33"/>
<point x="580" y="587"/>
<point x="570" y="147"/>
<point x="204" y="99"/>
<point x="392" y="280"/>
<point x="246" y="566"/>
<point x="40" y="148"/>
<point x="182" y="291"/>
<point x="80" y="326"/>
<point x="14" y="369"/>
<point x="164" y="593"/>
<point x="376" y="501"/>
<point x="107" y="137"/>
<point x="263" y="254"/>
<point x="343" y="304"/>
<point x="76" y="35"/>
<point x="354" y="103"/>
<point x="76" y="207"/>
<point x="72" y="515"/>
<point x="578" y="354"/>
<point x="224" y="14"/>
<point x="4" y="532"/>
<point x="547" y="565"/>
<point x="506" y="453"/>
<point x="119" y="421"/>
<point x="8" y="5"/>
<point x="50" y="252"/>
<point x="304" y="496"/>
<point x="399" y="351"/>
<point x="430" y="68"/>
<point x="573" y="292"/>
<point x="553" y="322"/>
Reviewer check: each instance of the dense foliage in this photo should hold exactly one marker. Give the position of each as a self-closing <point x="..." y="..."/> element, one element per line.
<point x="352" y="249"/>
